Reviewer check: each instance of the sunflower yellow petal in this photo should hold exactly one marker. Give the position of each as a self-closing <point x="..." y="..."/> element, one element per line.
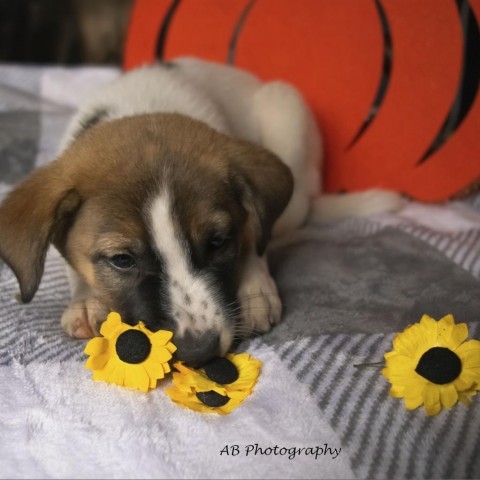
<point x="448" y="395"/>
<point x="464" y="397"/>
<point x="433" y="409"/>
<point x="230" y="406"/>
<point x="401" y="363"/>
<point x="431" y="399"/>
<point x="96" y="362"/>
<point x="238" y="359"/>
<point x="411" y="403"/>
<point x="415" y="386"/>
<point x="154" y="370"/>
<point x="468" y="346"/>
<point x="428" y="323"/>
<point x="196" y="405"/>
<point x="181" y="379"/>
<point x="173" y="392"/>
<point x="445" y="328"/>
<point x="252" y="366"/>
<point x="130" y="379"/>
<point x="160" y="354"/>
<point x="98" y="376"/>
<point x="186" y="401"/>
<point x="401" y="378"/>
<point x="470" y="376"/>
<point x="404" y="345"/>
<point x="470" y="359"/>
<point x="105" y="372"/>
<point x="162" y="337"/>
<point x="446" y="321"/>
<point x="393" y="353"/>
<point x="412" y="332"/>
<point x="458" y="336"/>
<point x="427" y="334"/>
<point x="242" y="384"/>
<point x="143" y="380"/>
<point x="137" y="377"/>
<point x="181" y="382"/>
<point x="117" y="376"/>
<point x="194" y="380"/>
<point x="176" y="395"/>
<point x="182" y="368"/>
<point x="247" y="377"/>
<point x="202" y="384"/>
<point x="96" y="346"/>
<point x="166" y="368"/>
<point x="111" y="325"/>
<point x="239" y="394"/>
<point x="217" y="388"/>
<point x="462" y="383"/>
<point x="431" y="394"/>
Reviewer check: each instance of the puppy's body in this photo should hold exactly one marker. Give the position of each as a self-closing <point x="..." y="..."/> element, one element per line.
<point x="229" y="100"/>
<point x="170" y="183"/>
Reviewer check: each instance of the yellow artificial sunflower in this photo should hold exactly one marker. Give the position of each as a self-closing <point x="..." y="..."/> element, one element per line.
<point x="129" y="356"/>
<point x="432" y="364"/>
<point x="219" y="386"/>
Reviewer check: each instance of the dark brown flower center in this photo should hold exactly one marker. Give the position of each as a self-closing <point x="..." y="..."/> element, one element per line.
<point x="439" y="365"/>
<point x="221" y="370"/>
<point x="213" y="398"/>
<point x="133" y="346"/>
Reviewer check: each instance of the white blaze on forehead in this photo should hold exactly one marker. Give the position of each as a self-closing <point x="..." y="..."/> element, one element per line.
<point x="193" y="303"/>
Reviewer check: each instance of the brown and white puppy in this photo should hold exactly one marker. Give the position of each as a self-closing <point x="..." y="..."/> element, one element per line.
<point x="163" y="200"/>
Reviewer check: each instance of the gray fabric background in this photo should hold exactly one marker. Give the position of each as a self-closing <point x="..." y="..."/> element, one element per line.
<point x="368" y="284"/>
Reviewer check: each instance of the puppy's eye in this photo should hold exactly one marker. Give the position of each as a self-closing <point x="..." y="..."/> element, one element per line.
<point x="122" y="261"/>
<point x="218" y="240"/>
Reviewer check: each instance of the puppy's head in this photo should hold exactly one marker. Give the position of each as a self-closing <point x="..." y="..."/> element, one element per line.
<point x="156" y="213"/>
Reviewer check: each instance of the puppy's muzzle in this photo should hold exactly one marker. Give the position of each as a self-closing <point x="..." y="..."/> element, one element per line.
<point x="197" y="349"/>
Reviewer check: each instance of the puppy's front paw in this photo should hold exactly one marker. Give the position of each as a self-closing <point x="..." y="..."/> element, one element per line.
<point x="82" y="319"/>
<point x="260" y="304"/>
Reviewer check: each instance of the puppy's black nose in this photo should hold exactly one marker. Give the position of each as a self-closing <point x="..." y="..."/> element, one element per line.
<point x="197" y="349"/>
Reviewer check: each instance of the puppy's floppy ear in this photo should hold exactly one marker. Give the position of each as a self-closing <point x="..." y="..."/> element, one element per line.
<point x="31" y="216"/>
<point x="265" y="185"/>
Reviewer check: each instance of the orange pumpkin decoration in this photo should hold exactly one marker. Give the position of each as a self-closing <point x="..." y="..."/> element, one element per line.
<point x="405" y="58"/>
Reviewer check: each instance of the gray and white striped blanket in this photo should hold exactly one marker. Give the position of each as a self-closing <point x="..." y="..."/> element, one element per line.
<point x="347" y="289"/>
